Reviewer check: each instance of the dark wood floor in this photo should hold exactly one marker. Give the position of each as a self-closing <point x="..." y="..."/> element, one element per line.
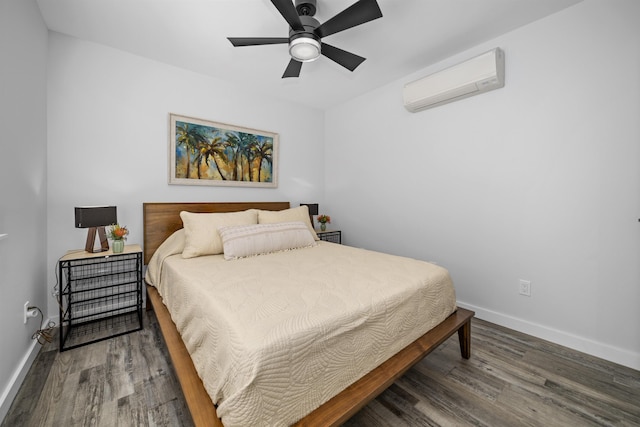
<point x="511" y="380"/>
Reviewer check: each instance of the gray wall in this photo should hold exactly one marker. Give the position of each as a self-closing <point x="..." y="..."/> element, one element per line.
<point x="23" y="185"/>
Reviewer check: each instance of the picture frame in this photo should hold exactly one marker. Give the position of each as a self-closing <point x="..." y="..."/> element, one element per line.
<point x="204" y="152"/>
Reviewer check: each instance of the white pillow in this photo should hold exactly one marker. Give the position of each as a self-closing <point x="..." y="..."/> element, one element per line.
<point x="201" y="230"/>
<point x="260" y="239"/>
<point x="288" y="215"/>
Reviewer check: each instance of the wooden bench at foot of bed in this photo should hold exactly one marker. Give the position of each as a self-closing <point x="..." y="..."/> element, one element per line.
<point x="341" y="407"/>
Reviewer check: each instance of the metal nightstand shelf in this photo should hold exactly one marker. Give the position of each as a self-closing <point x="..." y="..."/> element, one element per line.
<point x="334" y="236"/>
<point x="100" y="295"/>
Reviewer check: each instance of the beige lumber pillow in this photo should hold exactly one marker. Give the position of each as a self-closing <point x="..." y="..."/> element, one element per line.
<point x="201" y="230"/>
<point x="260" y="239"/>
<point x="288" y="215"/>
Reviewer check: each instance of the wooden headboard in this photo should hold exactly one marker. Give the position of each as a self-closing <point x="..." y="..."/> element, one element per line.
<point x="163" y="219"/>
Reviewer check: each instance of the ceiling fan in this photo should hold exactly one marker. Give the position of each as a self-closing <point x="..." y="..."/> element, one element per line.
<point x="306" y="33"/>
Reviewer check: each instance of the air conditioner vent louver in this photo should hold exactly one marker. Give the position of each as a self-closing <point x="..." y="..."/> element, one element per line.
<point x="477" y="75"/>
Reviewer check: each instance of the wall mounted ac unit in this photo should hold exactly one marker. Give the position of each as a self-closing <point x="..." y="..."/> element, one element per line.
<point x="477" y="75"/>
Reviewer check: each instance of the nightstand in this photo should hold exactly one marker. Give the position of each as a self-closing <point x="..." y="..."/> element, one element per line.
<point x="100" y="295"/>
<point x="334" y="236"/>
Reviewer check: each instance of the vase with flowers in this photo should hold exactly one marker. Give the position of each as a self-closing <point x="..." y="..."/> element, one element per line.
<point x="118" y="234"/>
<point x="323" y="220"/>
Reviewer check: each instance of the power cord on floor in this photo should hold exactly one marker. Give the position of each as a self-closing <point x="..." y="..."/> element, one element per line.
<point x="43" y="335"/>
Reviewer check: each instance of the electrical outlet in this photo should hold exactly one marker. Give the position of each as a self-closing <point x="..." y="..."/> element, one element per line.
<point x="28" y="313"/>
<point x="525" y="288"/>
<point x="26" y="310"/>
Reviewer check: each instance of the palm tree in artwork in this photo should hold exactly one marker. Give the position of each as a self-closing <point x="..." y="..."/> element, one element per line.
<point x="243" y="143"/>
<point x="190" y="138"/>
<point x="264" y="152"/>
<point x="233" y="143"/>
<point x="209" y="150"/>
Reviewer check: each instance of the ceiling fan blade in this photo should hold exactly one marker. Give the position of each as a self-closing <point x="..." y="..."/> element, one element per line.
<point x="293" y="69"/>
<point x="358" y="13"/>
<point x="348" y="60"/>
<point x="289" y="13"/>
<point x="256" y="41"/>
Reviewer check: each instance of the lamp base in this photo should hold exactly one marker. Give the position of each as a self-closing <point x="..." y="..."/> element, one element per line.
<point x="91" y="240"/>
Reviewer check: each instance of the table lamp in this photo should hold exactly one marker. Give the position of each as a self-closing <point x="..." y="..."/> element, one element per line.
<point x="95" y="218"/>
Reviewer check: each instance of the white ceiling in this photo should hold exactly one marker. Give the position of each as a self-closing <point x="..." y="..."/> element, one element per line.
<point x="191" y="34"/>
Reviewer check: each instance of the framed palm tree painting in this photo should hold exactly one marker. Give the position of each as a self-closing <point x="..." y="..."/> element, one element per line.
<point x="203" y="152"/>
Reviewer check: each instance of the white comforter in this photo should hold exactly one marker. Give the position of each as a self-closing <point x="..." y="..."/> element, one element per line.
<point x="275" y="336"/>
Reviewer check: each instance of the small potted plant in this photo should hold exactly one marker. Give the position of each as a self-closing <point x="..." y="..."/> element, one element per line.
<point x="323" y="220"/>
<point x="118" y="234"/>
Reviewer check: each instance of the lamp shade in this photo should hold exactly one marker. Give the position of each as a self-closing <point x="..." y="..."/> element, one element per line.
<point x="95" y="216"/>
<point x="313" y="208"/>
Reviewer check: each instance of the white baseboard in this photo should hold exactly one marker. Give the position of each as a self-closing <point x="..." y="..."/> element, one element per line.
<point x="585" y="345"/>
<point x="10" y="392"/>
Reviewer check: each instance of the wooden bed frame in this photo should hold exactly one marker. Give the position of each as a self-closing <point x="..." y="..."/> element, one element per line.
<point x="162" y="219"/>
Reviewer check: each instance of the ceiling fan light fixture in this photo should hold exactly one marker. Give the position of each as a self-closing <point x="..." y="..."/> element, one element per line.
<point x="304" y="49"/>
